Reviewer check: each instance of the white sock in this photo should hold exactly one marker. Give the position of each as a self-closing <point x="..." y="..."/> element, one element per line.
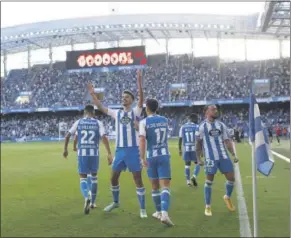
<point x="164" y="214"/>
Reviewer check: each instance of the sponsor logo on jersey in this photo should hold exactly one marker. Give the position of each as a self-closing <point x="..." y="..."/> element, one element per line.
<point x="125" y="120"/>
<point x="214" y="132"/>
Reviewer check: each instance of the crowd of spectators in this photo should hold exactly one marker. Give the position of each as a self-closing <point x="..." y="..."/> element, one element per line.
<point x="205" y="78"/>
<point x="36" y="124"/>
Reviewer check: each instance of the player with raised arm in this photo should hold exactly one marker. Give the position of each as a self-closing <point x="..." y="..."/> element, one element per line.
<point x="89" y="132"/>
<point x="154" y="136"/>
<point x="187" y="137"/>
<point x="212" y="136"/>
<point x="127" y="151"/>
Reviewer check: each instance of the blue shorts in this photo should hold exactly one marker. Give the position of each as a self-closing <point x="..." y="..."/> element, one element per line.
<point x="88" y="164"/>
<point x="159" y="167"/>
<point x="190" y="156"/>
<point x="224" y="166"/>
<point x="127" y="158"/>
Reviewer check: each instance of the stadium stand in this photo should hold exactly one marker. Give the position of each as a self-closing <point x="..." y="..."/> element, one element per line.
<point x="56" y="87"/>
<point x="48" y="93"/>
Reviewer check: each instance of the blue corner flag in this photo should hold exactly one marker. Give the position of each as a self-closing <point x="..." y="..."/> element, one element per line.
<point x="258" y="136"/>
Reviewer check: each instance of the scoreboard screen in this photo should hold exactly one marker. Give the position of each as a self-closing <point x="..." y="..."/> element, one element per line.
<point x="261" y="86"/>
<point x="110" y="57"/>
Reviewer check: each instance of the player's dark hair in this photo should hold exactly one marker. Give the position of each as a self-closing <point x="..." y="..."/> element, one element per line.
<point x="89" y="109"/>
<point x="152" y="104"/>
<point x="193" y="117"/>
<point x="129" y="93"/>
<point x="206" y="107"/>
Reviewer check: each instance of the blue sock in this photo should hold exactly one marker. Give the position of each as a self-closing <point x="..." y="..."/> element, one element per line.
<point x="89" y="182"/>
<point x="156" y="195"/>
<point x="115" y="193"/>
<point x="94" y="188"/>
<point x="229" y="188"/>
<point x="187" y="172"/>
<point x="207" y="192"/>
<point x="196" y="170"/>
<point x="165" y="199"/>
<point x="84" y="187"/>
<point x="141" y="197"/>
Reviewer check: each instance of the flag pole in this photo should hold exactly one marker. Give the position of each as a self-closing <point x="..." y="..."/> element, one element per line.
<point x="254" y="178"/>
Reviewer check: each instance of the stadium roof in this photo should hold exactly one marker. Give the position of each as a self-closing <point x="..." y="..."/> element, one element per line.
<point x="276" y="18"/>
<point x="129" y="27"/>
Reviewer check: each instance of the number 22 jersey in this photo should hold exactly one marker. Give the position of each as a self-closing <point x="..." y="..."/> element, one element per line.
<point x="89" y="132"/>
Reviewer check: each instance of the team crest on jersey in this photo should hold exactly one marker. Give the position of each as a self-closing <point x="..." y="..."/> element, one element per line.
<point x="125" y="120"/>
<point x="215" y="132"/>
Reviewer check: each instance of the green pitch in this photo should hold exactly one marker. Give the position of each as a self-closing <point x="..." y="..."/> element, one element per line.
<point x="40" y="196"/>
<point x="283" y="148"/>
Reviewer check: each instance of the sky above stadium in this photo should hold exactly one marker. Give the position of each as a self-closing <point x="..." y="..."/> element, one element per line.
<point x="13" y="13"/>
<point x="30" y="12"/>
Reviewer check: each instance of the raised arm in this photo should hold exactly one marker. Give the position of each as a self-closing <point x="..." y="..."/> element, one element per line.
<point x="139" y="88"/>
<point x="96" y="100"/>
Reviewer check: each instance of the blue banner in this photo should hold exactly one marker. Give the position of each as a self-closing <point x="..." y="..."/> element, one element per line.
<point x="165" y="104"/>
<point x="38" y="139"/>
<point x="31" y="139"/>
<point x="176" y="104"/>
<point x="107" y="69"/>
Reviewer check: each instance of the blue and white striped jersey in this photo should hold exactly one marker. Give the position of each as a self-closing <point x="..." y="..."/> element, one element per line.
<point x="89" y="132"/>
<point x="126" y="134"/>
<point x="187" y="133"/>
<point x="156" y="129"/>
<point x="213" y="135"/>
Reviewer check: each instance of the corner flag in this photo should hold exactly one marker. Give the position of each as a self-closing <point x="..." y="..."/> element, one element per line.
<point x="259" y="139"/>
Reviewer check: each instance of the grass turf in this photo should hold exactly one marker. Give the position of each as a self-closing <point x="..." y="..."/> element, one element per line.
<point x="40" y="196"/>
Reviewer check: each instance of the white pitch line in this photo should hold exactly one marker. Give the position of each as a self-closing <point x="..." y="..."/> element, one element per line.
<point x="244" y="221"/>
<point x="280" y="156"/>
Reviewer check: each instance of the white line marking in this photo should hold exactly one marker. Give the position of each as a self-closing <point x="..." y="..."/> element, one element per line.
<point x="261" y="177"/>
<point x="280" y="156"/>
<point x="244" y="222"/>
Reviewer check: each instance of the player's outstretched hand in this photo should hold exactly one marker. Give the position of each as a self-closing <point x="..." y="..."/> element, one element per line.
<point x="90" y="88"/>
<point x="109" y="159"/>
<point x="144" y="163"/>
<point x="235" y="160"/>
<point x="65" y="154"/>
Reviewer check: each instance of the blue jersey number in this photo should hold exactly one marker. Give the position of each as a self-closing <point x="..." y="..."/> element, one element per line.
<point x="87" y="137"/>
<point x="160" y="135"/>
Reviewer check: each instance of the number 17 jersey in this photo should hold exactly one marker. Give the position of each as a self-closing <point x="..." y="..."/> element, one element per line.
<point x="155" y="129"/>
